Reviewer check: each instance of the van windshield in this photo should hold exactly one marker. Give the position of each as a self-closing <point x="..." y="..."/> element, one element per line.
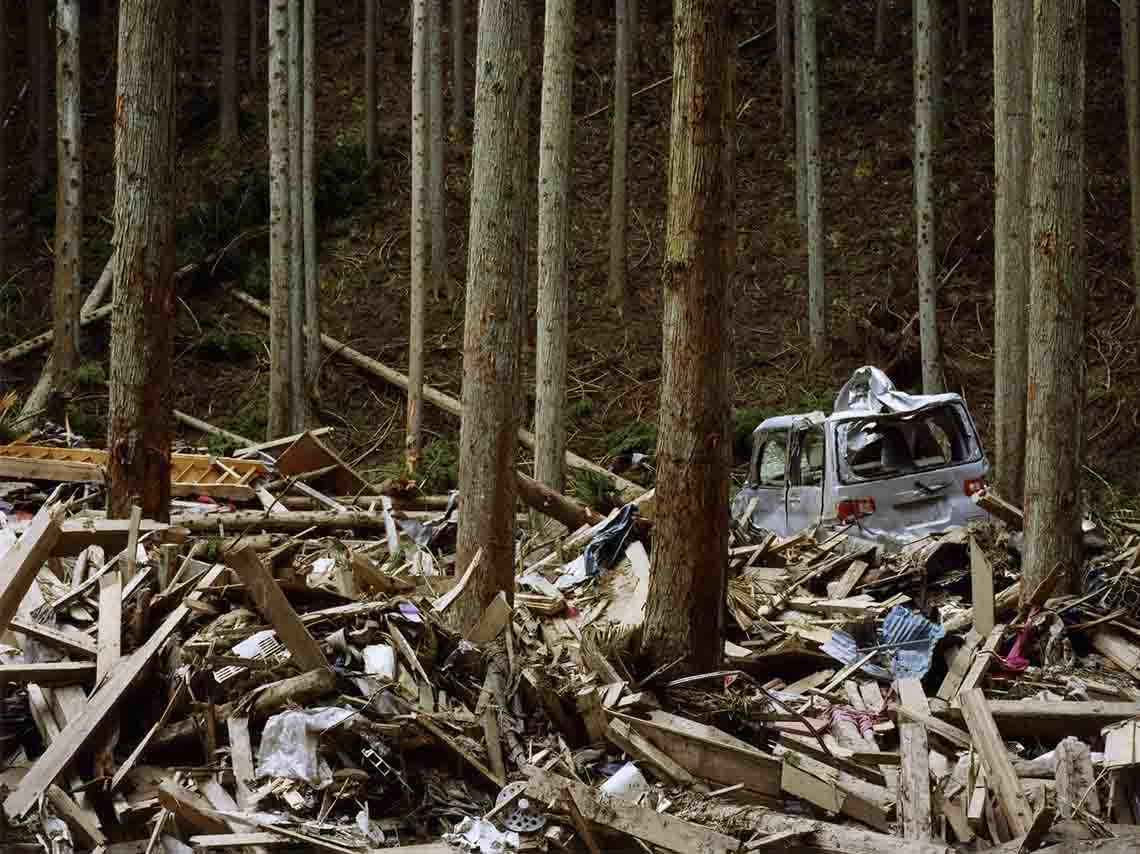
<point x="888" y="445"/>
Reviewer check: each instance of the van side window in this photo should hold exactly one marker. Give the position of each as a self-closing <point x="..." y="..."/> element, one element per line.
<point x="809" y="466"/>
<point x="773" y="459"/>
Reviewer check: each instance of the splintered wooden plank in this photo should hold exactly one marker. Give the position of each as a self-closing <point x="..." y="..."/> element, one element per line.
<point x="818" y="784"/>
<point x="982" y="587"/>
<point x="61" y="752"/>
<point x="110" y="622"/>
<point x="639" y="747"/>
<point x="75" y="817"/>
<point x="999" y="770"/>
<point x="639" y="822"/>
<point x="983" y="659"/>
<point x="53" y="673"/>
<point x="271" y="602"/>
<point x="494" y="620"/>
<point x="72" y="642"/>
<point x="914" y="779"/>
<point x="20" y="565"/>
<point x="958" y="666"/>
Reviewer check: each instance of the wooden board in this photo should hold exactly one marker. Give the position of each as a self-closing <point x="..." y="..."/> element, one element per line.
<point x="494" y="620"/>
<point x="53" y="673"/>
<point x="983" y="660"/>
<point x="638" y="747"/>
<point x="982" y="588"/>
<point x="914" y="778"/>
<point x="815" y="785"/>
<point x="241" y="752"/>
<point x="109" y="534"/>
<point x="308" y="453"/>
<point x="995" y="759"/>
<point x="74" y="643"/>
<point x="1045" y="719"/>
<point x="75" y="817"/>
<point x="61" y="752"/>
<point x="20" y="564"/>
<point x="959" y="661"/>
<point x="639" y="822"/>
<point x="271" y="602"/>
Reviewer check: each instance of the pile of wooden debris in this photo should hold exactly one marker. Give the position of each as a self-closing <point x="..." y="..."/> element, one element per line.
<point x="286" y="678"/>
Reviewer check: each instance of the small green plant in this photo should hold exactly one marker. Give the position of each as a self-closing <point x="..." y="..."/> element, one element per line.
<point x="439" y="467"/>
<point x="640" y="437"/>
<point x="744" y="421"/>
<point x="582" y="407"/>
<point x="252" y="417"/>
<point x="593" y="489"/>
<point x="256" y="279"/>
<point x="219" y="446"/>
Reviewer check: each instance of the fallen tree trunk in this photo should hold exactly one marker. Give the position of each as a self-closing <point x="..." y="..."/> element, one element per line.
<point x="555" y="505"/>
<point x="206" y="427"/>
<point x="289" y="522"/>
<point x="628" y="489"/>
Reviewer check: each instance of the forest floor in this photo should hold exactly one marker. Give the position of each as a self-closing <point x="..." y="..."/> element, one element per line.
<point x="222" y="348"/>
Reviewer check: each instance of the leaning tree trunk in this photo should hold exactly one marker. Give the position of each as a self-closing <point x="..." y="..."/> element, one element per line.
<point x="619" y="202"/>
<point x="69" y="194"/>
<point x="370" y="91"/>
<point x="683" y="614"/>
<point x="496" y="297"/>
<point x="880" y="27"/>
<point x="924" y="222"/>
<point x="436" y="200"/>
<point x="555" y="136"/>
<point x="309" y="213"/>
<point x="1013" y="60"/>
<point x="801" y="100"/>
<point x="817" y="290"/>
<point x="142" y="322"/>
<point x="1130" y="44"/>
<point x="280" y="249"/>
<point x="297" y="402"/>
<point x="787" y="69"/>
<point x="421" y="128"/>
<point x="457" y="109"/>
<point x="228" y="89"/>
<point x="254" y="41"/>
<point x="1058" y="294"/>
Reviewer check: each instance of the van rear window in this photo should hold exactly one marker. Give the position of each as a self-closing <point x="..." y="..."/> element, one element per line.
<point x="890" y="445"/>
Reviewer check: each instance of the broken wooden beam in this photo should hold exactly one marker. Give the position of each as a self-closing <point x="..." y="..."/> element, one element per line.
<point x="294" y="521"/>
<point x="1005" y="602"/>
<point x="642" y="749"/>
<point x="109" y="534"/>
<point x="1001" y="509"/>
<point x="52" y="673"/>
<point x="61" y="752"/>
<point x="71" y="642"/>
<point x="20" y="565"/>
<point x="914" y="777"/>
<point x="982" y="589"/>
<point x="1049" y="719"/>
<point x="271" y="602"/>
<point x="639" y="822"/>
<point x="995" y="759"/>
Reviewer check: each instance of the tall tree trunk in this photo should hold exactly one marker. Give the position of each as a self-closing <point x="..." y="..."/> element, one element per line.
<point x="439" y="278"/>
<point x="3" y="144"/>
<point x="963" y="27"/>
<point x="298" y="402"/>
<point x="619" y="203"/>
<point x="142" y="322"/>
<point x="924" y="221"/>
<point x="817" y="289"/>
<point x="229" y="107"/>
<point x="457" y="72"/>
<point x="39" y="59"/>
<point x="421" y="129"/>
<point x="69" y="194"/>
<point x="308" y="203"/>
<point x="880" y="27"/>
<point x="254" y="41"/>
<point x="787" y="69"/>
<point x="555" y="138"/>
<point x="1130" y="47"/>
<point x="496" y="297"/>
<point x="683" y="614"/>
<point x="280" y="249"/>
<point x="1058" y="294"/>
<point x="801" y="100"/>
<point x="1013" y="60"/>
<point x="370" y="90"/>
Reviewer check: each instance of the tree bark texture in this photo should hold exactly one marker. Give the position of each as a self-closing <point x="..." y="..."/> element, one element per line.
<point x="880" y="27"/>
<point x="683" y="615"/>
<point x="1130" y="47"/>
<point x="308" y="203"/>
<point x="39" y="57"/>
<point x="280" y="249"/>
<point x="924" y="216"/>
<point x="1058" y="293"/>
<point x="142" y="322"/>
<point x="254" y="40"/>
<point x="228" y="90"/>
<point x="421" y="129"/>
<point x="787" y="70"/>
<point x="801" y="162"/>
<point x="437" y="202"/>
<point x="496" y="298"/>
<point x="619" y="202"/>
<point x="457" y="71"/>
<point x="370" y="90"/>
<point x="554" y="166"/>
<point x="817" y="288"/>
<point x="69" y="193"/>
<point x="298" y="402"/>
<point x="1013" y="59"/>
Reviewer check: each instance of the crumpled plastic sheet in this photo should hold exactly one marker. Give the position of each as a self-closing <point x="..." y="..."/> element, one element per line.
<point x="289" y="745"/>
<point x="871" y="390"/>
<point x="608" y="544"/>
<point x="907" y="639"/>
<point x="423" y="534"/>
<point x="474" y="834"/>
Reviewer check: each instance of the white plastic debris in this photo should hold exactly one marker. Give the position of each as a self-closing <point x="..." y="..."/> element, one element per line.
<point x="380" y="660"/>
<point x="474" y="834"/>
<point x="289" y="745"/>
<point x="628" y="783"/>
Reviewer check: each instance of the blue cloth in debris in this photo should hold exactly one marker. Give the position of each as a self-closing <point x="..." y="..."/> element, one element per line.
<point x="907" y="639"/>
<point x="608" y="544"/>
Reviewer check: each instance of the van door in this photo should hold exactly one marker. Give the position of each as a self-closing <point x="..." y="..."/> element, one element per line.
<point x="765" y="497"/>
<point x="805" y="477"/>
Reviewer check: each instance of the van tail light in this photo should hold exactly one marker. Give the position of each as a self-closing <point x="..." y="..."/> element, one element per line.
<point x="973" y="486"/>
<point x="854" y="508"/>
